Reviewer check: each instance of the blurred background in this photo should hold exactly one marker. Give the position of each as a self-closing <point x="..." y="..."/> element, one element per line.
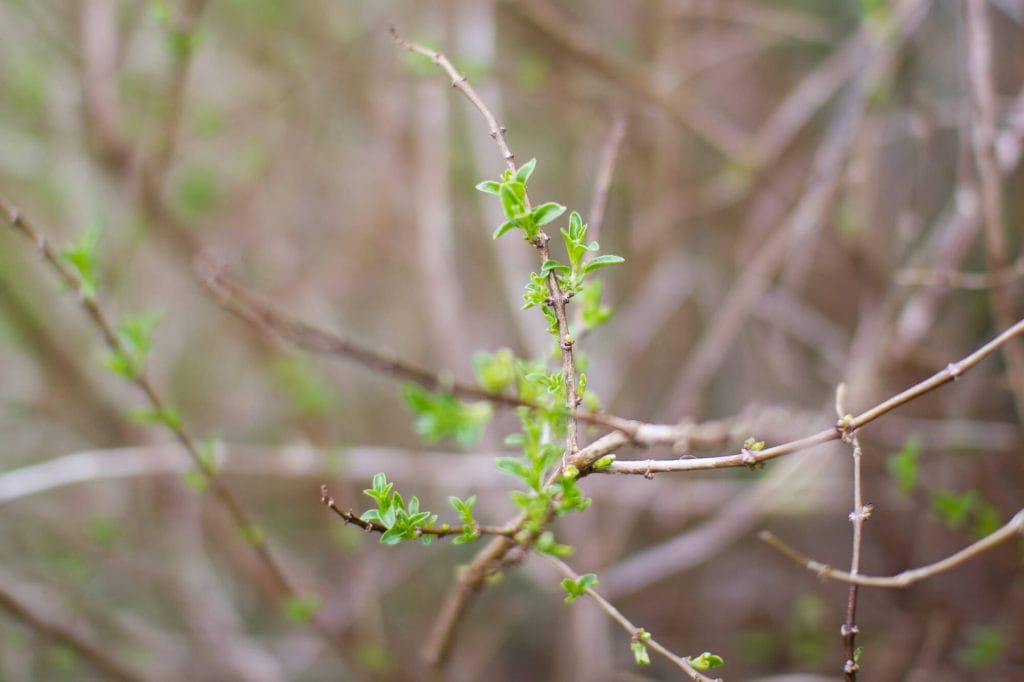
<point x="794" y="189"/>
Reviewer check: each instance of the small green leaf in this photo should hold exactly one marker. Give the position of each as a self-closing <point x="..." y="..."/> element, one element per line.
<point x="510" y="202"/>
<point x="553" y="266"/>
<point x="545" y="213"/>
<point x="301" y="609"/>
<point x="904" y="465"/>
<point x="196" y="480"/>
<point x="706" y="660"/>
<point x="640" y="654"/>
<point x="503" y="228"/>
<point x="526" y="170"/>
<point x="252" y="534"/>
<point x="577" y="588"/>
<point x="82" y="257"/>
<point x="489" y="187"/>
<point x="602" y="262"/>
<point x="604" y="462"/>
<point x="952" y="508"/>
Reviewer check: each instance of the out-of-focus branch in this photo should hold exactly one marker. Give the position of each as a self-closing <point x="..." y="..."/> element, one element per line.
<point x="980" y="74"/>
<point x="1012" y="528"/>
<point x="282" y="585"/>
<point x="710" y="127"/>
<point x="47" y="626"/>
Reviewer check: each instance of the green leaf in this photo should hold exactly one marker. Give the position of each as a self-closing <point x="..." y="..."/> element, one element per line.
<point x="553" y="266"/>
<point x="526" y="170"/>
<point x="441" y="416"/>
<point x="904" y="465"/>
<point x="952" y="508"/>
<point x="503" y="228"/>
<point x="545" y="213"/>
<point x="986" y="647"/>
<point x="510" y="202"/>
<point x="602" y="262"/>
<point x="301" y="609"/>
<point x="489" y="187"/>
<point x="706" y="660"/>
<point x="82" y="257"/>
<point x="640" y="654"/>
<point x="577" y="588"/>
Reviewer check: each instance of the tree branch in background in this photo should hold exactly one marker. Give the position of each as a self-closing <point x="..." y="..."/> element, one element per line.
<point x="162" y="410"/>
<point x="1013" y="527"/>
<point x="985" y="121"/>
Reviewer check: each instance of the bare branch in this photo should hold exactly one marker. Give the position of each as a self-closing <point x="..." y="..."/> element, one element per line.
<point x="1013" y="527"/>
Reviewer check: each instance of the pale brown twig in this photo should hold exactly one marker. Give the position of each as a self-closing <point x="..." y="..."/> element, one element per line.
<point x="1015" y="526"/>
<point x="634" y="631"/>
<point x="984" y="119"/>
<point x="160" y="406"/>
<point x="435" y="531"/>
<point x="94" y="655"/>
<point x="858" y="516"/>
<point x="749" y="458"/>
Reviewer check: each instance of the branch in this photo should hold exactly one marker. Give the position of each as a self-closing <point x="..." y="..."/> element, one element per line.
<point x="858" y="516"/>
<point x="634" y="631"/>
<point x="1014" y="526"/>
<point x="56" y="631"/>
<point x="206" y="468"/>
<point x="750" y="458"/>
<point x="375" y="527"/>
<point x="984" y="117"/>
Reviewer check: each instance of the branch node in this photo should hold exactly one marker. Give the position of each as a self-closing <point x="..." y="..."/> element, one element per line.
<point x="954" y="370"/>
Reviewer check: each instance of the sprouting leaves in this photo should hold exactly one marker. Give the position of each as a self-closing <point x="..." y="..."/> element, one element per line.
<point x="706" y="660"/>
<point x="441" y="415"/>
<point x="134" y="341"/>
<point x="577" y="588"/>
<point x="402" y="521"/>
<point x="511" y="191"/>
<point x="82" y="257"/>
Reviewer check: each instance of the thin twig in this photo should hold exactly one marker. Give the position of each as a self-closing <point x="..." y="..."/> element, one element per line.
<point x="984" y="117"/>
<point x="95" y="656"/>
<point x="1013" y="527"/>
<point x="437" y="531"/>
<point x="206" y="468"/>
<point x="858" y="516"/>
<point x="755" y="457"/>
<point x="962" y="280"/>
<point x="634" y="631"/>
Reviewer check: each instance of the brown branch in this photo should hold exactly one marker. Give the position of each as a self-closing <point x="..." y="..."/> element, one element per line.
<point x="59" y="632"/>
<point x="858" y="516"/>
<point x="650" y="435"/>
<point x="980" y="71"/>
<point x="1013" y="527"/>
<point x="634" y="631"/>
<point x="207" y="469"/>
<point x="709" y="126"/>
<point x="962" y="280"/>
<point x="436" y="531"/>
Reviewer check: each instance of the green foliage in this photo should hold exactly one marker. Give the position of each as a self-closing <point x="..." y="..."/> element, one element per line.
<point x="577" y="588"/>
<point x="306" y="389"/>
<point x="465" y="510"/>
<point x="640" y="655"/>
<point x="62" y="661"/>
<point x="166" y="416"/>
<point x="134" y="340"/>
<point x="985" y="648"/>
<point x="706" y="660"/>
<point x="82" y="257"/>
<point x="197" y="192"/>
<point x="440" y="416"/>
<point x="904" y="465"/>
<point x="495" y="372"/>
<point x="956" y="510"/>
<point x="952" y="508"/>
<point x="511" y="191"/>
<point x="253" y="535"/>
<point x="104" y="530"/>
<point x="402" y="521"/>
<point x="300" y="609"/>
<point x="546" y="544"/>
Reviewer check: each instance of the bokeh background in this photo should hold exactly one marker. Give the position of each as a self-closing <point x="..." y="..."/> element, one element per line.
<point x="793" y="183"/>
